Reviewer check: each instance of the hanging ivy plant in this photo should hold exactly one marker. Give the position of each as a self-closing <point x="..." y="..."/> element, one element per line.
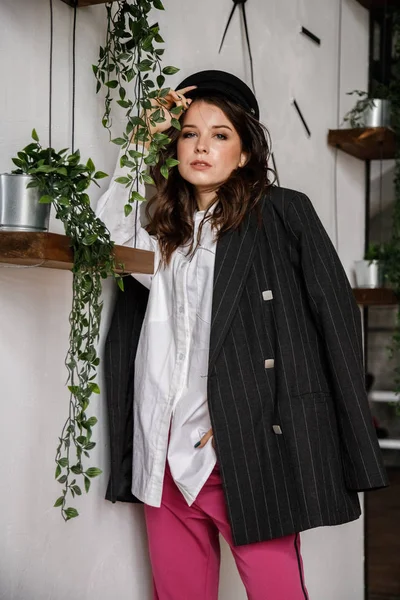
<point x="63" y="181"/>
<point x="130" y="62"/>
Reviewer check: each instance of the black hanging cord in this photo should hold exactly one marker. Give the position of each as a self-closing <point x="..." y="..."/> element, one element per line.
<point x="227" y="26"/>
<point x="248" y="45"/>
<point x="73" y="79"/>
<point x="51" y="71"/>
<point x="235" y="4"/>
<point x="338" y="87"/>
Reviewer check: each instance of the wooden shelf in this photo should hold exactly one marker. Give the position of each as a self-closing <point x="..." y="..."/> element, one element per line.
<point x="379" y="3"/>
<point x="375" y="296"/>
<point x="86" y="2"/>
<point x="366" y="143"/>
<point x="54" y="252"/>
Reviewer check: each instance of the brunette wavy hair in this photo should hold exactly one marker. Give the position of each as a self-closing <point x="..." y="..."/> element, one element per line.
<point x="171" y="210"/>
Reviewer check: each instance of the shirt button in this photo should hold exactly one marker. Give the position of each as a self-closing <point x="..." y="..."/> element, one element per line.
<point x="181" y="309"/>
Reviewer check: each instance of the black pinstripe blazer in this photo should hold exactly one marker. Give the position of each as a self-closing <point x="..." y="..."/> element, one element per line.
<point x="291" y="422"/>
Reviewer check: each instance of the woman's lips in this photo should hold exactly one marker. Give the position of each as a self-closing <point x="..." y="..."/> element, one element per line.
<point x="200" y="167"/>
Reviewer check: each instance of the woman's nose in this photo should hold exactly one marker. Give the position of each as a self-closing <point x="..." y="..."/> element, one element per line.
<point x="201" y="147"/>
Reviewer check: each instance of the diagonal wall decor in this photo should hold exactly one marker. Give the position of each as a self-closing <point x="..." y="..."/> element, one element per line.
<point x="243" y="10"/>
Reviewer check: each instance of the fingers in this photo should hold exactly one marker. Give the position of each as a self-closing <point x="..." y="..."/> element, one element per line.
<point x="205" y="439"/>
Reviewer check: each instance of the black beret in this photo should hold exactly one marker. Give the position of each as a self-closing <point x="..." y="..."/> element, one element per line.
<point x="224" y="83"/>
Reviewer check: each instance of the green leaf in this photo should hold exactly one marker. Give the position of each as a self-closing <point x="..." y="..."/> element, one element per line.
<point x="175" y="123"/>
<point x="147" y="179"/>
<point x="135" y="154"/>
<point x="63" y="462"/>
<point x="93" y="472"/>
<point x="45" y="200"/>
<point x="158" y="4"/>
<point x="77" y="490"/>
<point x="145" y="65"/>
<point x="120" y="283"/>
<point x="171" y="162"/>
<point x="58" y="472"/>
<point x="75" y="469"/>
<point x="112" y="84"/>
<point x="124" y="103"/>
<point x="176" y="110"/>
<point x="88" y="240"/>
<point x="164" y="171"/>
<point x="160" y="80"/>
<point x="170" y="70"/>
<point x="122" y="180"/>
<point x="127" y="209"/>
<point x="90" y="165"/>
<point x="87" y="484"/>
<point x="136" y="196"/>
<point x="100" y="175"/>
<point x="92" y="421"/>
<point x="35" y="135"/>
<point x="71" y="513"/>
<point x="59" y="501"/>
<point x="62" y="479"/>
<point x="94" y="389"/>
<point x="119" y="141"/>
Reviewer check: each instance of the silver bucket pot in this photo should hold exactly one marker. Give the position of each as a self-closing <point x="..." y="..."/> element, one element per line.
<point x="377" y="115"/>
<point x="19" y="207"/>
<point x="369" y="274"/>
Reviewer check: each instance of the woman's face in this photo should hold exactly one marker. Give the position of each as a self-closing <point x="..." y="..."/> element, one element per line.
<point x="208" y="136"/>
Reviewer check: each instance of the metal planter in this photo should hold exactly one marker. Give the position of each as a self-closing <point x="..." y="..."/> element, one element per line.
<point x="369" y="274"/>
<point x="19" y="206"/>
<point x="378" y="115"/>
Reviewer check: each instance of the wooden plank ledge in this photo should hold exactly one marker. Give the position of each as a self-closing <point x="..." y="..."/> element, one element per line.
<point x="365" y="143"/>
<point x="53" y="251"/>
<point x="81" y="3"/>
<point x="375" y="296"/>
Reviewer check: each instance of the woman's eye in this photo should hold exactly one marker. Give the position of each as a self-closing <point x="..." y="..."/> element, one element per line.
<point x="222" y="136"/>
<point x="185" y="135"/>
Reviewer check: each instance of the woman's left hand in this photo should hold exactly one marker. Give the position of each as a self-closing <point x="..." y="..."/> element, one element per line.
<point x="205" y="439"/>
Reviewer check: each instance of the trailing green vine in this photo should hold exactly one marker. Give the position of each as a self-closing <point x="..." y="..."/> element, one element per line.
<point x="130" y="60"/>
<point x="63" y="181"/>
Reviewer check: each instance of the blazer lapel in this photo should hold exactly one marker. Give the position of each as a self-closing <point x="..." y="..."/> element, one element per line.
<point x="233" y="257"/>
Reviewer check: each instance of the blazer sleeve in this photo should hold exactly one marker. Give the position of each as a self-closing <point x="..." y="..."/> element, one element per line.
<point x="338" y="319"/>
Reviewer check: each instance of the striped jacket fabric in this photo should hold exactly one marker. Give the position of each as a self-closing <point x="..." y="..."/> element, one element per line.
<point x="286" y="384"/>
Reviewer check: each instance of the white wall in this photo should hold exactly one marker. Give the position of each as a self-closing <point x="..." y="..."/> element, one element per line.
<point x="103" y="553"/>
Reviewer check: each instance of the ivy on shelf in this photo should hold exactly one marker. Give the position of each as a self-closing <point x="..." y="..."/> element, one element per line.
<point x="130" y="60"/>
<point x="63" y="181"/>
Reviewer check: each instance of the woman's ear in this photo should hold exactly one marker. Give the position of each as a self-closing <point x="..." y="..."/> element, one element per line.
<point x="244" y="157"/>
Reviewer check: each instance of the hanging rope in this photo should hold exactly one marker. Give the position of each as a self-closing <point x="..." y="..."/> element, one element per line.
<point x="338" y="88"/>
<point x="51" y="72"/>
<point x="243" y="11"/>
<point x="73" y="79"/>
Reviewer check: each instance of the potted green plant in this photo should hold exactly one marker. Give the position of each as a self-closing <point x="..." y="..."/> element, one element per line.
<point x="369" y="270"/>
<point x="62" y="181"/>
<point x="371" y="109"/>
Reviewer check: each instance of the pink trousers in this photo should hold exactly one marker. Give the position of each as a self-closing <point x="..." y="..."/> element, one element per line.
<point x="185" y="552"/>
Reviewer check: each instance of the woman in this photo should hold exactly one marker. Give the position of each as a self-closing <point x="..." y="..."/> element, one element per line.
<point x="243" y="357"/>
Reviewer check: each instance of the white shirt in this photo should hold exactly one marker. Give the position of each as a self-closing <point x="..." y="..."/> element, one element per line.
<point x="171" y="365"/>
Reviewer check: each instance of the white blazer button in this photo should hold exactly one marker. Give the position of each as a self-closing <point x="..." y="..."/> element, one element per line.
<point x="269" y="363"/>
<point x="277" y="429"/>
<point x="267" y="295"/>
